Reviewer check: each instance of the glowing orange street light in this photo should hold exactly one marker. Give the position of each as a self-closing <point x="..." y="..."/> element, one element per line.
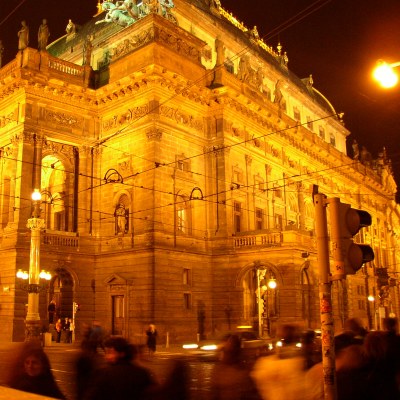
<point x="385" y="75"/>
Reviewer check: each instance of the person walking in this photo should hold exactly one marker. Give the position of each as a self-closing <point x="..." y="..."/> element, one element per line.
<point x="231" y="379"/>
<point x="151" y="334"/>
<point x="121" y="379"/>
<point x="282" y="376"/>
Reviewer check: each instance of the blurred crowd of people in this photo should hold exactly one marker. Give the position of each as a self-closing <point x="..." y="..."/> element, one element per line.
<point x="112" y="368"/>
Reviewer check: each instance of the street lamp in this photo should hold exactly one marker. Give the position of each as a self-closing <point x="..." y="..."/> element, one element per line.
<point x="35" y="224"/>
<point x="264" y="288"/>
<point x="385" y="75"/>
<point x="371" y="300"/>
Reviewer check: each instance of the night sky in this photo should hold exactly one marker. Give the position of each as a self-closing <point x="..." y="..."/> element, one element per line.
<point x="337" y="41"/>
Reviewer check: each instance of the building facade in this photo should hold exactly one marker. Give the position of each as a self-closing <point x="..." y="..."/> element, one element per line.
<point x="176" y="162"/>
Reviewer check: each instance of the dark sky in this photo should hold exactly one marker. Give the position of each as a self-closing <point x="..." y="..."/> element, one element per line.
<point x="337" y="41"/>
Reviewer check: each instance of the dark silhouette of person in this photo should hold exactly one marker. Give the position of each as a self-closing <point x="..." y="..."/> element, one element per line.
<point x="52" y="310"/>
<point x="30" y="372"/>
<point x="176" y="386"/>
<point x="151" y="334"/>
<point x="87" y="363"/>
<point x="121" y="379"/>
<point x="231" y="379"/>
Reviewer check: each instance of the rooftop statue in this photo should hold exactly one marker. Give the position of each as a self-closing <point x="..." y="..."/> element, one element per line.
<point x="43" y="35"/>
<point x="23" y="36"/>
<point x="117" y="13"/>
<point x="71" y="28"/>
<point x="126" y="12"/>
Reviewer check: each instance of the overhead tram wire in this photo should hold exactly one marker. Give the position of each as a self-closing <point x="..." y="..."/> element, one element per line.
<point x="12" y="12"/>
<point x="296" y="18"/>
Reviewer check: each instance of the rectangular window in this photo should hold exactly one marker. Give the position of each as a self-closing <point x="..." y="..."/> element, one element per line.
<point x="259" y="219"/>
<point x="186" y="276"/>
<point x="278" y="221"/>
<point x="187" y="301"/>
<point x="361" y="304"/>
<point x="296" y="114"/>
<point x="237" y="216"/>
<point x="278" y="192"/>
<point x="310" y="124"/>
<point x="59" y="218"/>
<point x="181" y="220"/>
<point x="260" y="185"/>
<point x="322" y="133"/>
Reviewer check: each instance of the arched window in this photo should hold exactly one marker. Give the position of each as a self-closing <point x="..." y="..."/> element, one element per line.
<point x="309" y="215"/>
<point x="57" y="194"/>
<point x="293" y="211"/>
<point x="183" y="215"/>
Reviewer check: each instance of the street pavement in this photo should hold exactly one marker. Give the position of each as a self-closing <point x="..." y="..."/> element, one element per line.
<point x="62" y="359"/>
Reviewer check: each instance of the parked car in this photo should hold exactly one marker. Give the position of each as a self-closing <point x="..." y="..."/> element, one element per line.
<point x="252" y="346"/>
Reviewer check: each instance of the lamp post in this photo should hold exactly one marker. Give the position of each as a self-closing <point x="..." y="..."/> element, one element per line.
<point x="35" y="224"/>
<point x="264" y="288"/>
<point x="371" y="300"/>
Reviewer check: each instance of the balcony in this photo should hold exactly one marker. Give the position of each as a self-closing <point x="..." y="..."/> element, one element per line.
<point x="274" y="238"/>
<point x="68" y="241"/>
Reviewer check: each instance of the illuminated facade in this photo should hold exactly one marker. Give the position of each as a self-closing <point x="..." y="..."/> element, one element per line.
<point x="176" y="162"/>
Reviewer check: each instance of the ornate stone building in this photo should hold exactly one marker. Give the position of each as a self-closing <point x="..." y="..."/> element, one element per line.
<point x="176" y="154"/>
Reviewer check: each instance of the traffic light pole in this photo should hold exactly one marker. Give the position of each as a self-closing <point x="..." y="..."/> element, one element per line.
<point x="325" y="296"/>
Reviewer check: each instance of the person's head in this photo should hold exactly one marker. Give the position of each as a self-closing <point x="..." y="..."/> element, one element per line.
<point x="390" y="324"/>
<point x="376" y="347"/>
<point x="33" y="360"/>
<point x="355" y="325"/>
<point x="231" y="349"/>
<point x="118" y="349"/>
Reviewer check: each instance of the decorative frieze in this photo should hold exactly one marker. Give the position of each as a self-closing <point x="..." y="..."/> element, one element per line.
<point x="177" y="44"/>
<point x="125" y="117"/>
<point x="181" y="117"/>
<point x="58" y="148"/>
<point x="7" y="119"/>
<point x="132" y="42"/>
<point x="61" y="118"/>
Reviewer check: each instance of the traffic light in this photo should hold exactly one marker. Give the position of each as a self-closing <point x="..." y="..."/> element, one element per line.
<point x="348" y="256"/>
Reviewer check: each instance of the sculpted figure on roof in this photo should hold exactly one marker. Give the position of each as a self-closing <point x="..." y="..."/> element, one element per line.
<point x="23" y="36"/>
<point x="43" y="35"/>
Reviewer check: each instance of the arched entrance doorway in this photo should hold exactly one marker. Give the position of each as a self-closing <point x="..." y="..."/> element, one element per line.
<point x="61" y="291"/>
<point x="261" y="298"/>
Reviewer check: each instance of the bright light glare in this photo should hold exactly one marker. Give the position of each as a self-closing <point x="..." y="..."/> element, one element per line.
<point x="22" y="274"/>
<point x="272" y="283"/>
<point x="209" y="347"/>
<point x="190" y="346"/>
<point x="385" y="75"/>
<point x="371" y="298"/>
<point x="279" y="343"/>
<point x="36" y="195"/>
<point x="45" y="275"/>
